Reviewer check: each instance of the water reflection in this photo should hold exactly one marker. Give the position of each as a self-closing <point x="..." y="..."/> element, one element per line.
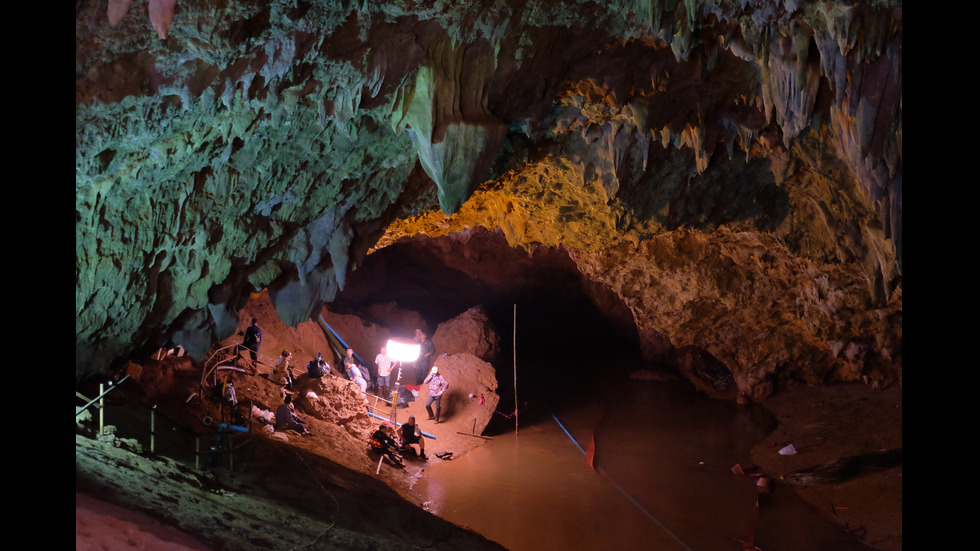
<point x="662" y="479"/>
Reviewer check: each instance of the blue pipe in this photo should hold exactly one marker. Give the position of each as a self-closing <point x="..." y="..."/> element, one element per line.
<point x="569" y="434"/>
<point x="622" y="491"/>
<point x="233" y="427"/>
<point x="346" y="346"/>
<point x="425" y="434"/>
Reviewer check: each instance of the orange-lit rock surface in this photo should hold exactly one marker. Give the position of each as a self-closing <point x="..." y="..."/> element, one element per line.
<point x="766" y="306"/>
<point x="717" y="183"/>
<point x="744" y="161"/>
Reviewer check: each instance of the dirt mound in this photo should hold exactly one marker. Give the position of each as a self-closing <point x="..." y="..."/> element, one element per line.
<point x="340" y="418"/>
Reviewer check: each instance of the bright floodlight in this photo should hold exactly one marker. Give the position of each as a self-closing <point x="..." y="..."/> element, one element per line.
<point x="403" y="350"/>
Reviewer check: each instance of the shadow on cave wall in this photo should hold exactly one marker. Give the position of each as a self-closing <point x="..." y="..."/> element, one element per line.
<point x="730" y="190"/>
<point x="656" y="184"/>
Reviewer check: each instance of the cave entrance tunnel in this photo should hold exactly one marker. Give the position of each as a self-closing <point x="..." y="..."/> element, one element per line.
<point x="570" y="333"/>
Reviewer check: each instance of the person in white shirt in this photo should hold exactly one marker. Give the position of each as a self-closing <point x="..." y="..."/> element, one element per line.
<point x="385" y="363"/>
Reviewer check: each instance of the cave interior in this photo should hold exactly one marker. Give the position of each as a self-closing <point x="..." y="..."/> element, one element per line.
<point x="564" y="326"/>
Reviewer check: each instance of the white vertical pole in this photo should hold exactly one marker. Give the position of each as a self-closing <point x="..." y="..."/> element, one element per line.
<point x="153" y="412"/>
<point x="101" y="409"/>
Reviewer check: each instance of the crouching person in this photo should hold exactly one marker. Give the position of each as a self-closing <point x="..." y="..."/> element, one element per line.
<point x="383" y="442"/>
<point x="286" y="417"/>
<point x="410" y="433"/>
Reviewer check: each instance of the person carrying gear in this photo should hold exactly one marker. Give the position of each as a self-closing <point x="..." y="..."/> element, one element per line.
<point x="384" y="443"/>
<point x="252" y="341"/>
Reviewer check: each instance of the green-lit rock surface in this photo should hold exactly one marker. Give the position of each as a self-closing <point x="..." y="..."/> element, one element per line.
<point x="732" y="172"/>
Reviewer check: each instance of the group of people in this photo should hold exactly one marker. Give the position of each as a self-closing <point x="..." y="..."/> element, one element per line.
<point x="390" y="374"/>
<point x="390" y="371"/>
<point x="395" y="443"/>
<point x="355" y="372"/>
<point x="318" y="367"/>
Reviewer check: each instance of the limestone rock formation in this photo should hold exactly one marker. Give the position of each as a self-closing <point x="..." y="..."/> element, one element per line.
<point x="731" y="171"/>
<point x="471" y="332"/>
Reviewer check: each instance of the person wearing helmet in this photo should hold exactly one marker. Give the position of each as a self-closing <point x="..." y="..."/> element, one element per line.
<point x="438" y="385"/>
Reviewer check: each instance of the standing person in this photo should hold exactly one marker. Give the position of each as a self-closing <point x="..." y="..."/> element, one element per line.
<point x="426" y="355"/>
<point x="252" y="340"/>
<point x="282" y="364"/>
<point x="409" y="434"/>
<point x="438" y="385"/>
<point x="384" y="363"/>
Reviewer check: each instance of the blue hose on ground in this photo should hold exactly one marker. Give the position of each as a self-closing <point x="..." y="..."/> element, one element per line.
<point x="425" y="434"/>
<point x="620" y="488"/>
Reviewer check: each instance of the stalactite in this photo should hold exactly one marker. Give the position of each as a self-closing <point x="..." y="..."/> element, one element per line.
<point x="162" y="15"/>
<point x="116" y="10"/>
<point x="277" y="114"/>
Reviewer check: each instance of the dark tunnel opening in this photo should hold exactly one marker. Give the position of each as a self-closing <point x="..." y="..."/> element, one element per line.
<point x="569" y="332"/>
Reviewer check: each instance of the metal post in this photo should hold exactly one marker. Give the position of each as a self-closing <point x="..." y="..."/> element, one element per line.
<point x="516" y="407"/>
<point x="197" y="453"/>
<point x="394" y="398"/>
<point x="153" y="418"/>
<point x="101" y="409"/>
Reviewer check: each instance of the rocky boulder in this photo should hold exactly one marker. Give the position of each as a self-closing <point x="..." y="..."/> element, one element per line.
<point x="471" y="332"/>
<point x="472" y="396"/>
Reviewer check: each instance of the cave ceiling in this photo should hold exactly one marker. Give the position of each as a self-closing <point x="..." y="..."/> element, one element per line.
<point x="731" y="170"/>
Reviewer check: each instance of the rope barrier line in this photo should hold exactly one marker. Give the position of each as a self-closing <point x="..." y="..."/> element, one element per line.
<point x="620" y="488"/>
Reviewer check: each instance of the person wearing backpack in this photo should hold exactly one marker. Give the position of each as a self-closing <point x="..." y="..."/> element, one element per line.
<point x="252" y="341"/>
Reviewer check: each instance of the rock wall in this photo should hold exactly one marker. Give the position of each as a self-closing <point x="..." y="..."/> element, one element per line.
<point x="222" y="149"/>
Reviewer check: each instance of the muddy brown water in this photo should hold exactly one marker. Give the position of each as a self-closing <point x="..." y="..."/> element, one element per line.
<point x="638" y="466"/>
